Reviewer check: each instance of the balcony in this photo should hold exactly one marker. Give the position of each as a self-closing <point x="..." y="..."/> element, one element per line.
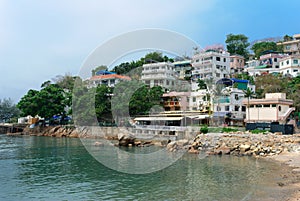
<point x="222" y="100"/>
<point x="171" y="104"/>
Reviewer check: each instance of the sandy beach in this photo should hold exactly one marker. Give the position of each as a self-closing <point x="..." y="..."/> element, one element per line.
<point x="291" y="159"/>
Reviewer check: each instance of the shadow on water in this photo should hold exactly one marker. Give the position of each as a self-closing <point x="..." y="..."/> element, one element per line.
<point x="45" y="168"/>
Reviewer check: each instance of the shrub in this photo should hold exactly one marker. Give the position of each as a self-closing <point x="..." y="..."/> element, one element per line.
<point x="228" y="129"/>
<point x="204" y="129"/>
<point x="257" y="131"/>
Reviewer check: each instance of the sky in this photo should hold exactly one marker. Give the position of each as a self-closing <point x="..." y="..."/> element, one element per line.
<point x="42" y="39"/>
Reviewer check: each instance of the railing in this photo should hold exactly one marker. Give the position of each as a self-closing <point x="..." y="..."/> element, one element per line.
<point x="161" y="128"/>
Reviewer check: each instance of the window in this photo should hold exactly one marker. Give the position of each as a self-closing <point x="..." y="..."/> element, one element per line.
<point x="224" y="59"/>
<point x="236" y="96"/>
<point x="236" y="108"/>
<point x="218" y="58"/>
<point x="243" y="108"/>
<point x="267" y="105"/>
<point x="194" y="99"/>
<point x="279" y="108"/>
<point x="273" y="105"/>
<point x="217" y="74"/>
<point x="227" y="108"/>
<point x="197" y="60"/>
<point x="251" y="106"/>
<point x="287" y="62"/>
<point x="276" y="66"/>
<point x="295" y="61"/>
<point x="275" y="59"/>
<point x="282" y="63"/>
<point x="231" y="59"/>
<point x="259" y="105"/>
<point x="218" y="108"/>
<point x="187" y="99"/>
<point x="295" y="70"/>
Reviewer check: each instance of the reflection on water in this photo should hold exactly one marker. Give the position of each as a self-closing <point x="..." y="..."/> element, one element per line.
<point x="45" y="168"/>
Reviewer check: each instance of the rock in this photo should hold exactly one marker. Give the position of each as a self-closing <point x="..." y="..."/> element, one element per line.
<point x="193" y="151"/>
<point x="244" y="147"/>
<point x="182" y="142"/>
<point x="98" y="144"/>
<point x="223" y="150"/>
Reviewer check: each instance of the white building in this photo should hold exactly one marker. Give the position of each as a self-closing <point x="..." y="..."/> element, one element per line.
<point x="213" y="64"/>
<point x="229" y="106"/>
<point x="273" y="108"/>
<point x="109" y="80"/>
<point x="159" y="74"/>
<point x="290" y="66"/>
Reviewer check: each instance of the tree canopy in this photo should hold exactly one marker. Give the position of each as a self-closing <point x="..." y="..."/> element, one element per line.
<point x="8" y="110"/>
<point x="260" y="47"/>
<point x="237" y="44"/>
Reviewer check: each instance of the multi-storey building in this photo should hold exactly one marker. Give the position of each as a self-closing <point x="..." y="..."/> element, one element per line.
<point x="160" y="74"/>
<point x="237" y="63"/>
<point x="213" y="64"/>
<point x="183" y="69"/>
<point x="290" y="66"/>
<point x="268" y="63"/>
<point x="291" y="47"/>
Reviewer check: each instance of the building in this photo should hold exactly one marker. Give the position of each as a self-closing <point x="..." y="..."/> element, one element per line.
<point x="228" y="107"/>
<point x="160" y="74"/>
<point x="175" y="101"/>
<point x="273" y="108"/>
<point x="291" y="47"/>
<point x="268" y="63"/>
<point x="213" y="64"/>
<point x="109" y="80"/>
<point x="290" y="66"/>
<point x="237" y="63"/>
<point x="183" y="69"/>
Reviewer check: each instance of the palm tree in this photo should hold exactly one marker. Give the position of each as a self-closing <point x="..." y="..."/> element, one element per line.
<point x="248" y="93"/>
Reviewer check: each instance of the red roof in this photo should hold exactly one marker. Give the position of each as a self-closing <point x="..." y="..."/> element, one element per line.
<point x="111" y="76"/>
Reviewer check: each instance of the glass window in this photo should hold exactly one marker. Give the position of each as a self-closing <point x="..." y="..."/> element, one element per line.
<point x="227" y="108"/>
<point x="275" y="59"/>
<point x="218" y="58"/>
<point x="279" y="108"/>
<point x="295" y="61"/>
<point x="243" y="108"/>
<point x="224" y="59"/>
<point x="273" y="105"/>
<point x="295" y="70"/>
<point x="267" y="105"/>
<point x="259" y="105"/>
<point x="287" y="62"/>
<point x="194" y="99"/>
<point x="236" y="108"/>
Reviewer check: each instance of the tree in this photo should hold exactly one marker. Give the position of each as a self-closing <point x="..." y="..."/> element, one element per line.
<point x="47" y="102"/>
<point x="8" y="110"/>
<point x="270" y="84"/>
<point x="248" y="93"/>
<point x="287" y="38"/>
<point x="98" y="68"/>
<point x="260" y="47"/>
<point x="237" y="44"/>
<point x="201" y="84"/>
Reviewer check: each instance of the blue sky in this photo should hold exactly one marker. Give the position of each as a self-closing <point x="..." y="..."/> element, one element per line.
<point x="42" y="39"/>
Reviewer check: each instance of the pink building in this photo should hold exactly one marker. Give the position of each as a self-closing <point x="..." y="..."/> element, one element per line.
<point x="237" y="63"/>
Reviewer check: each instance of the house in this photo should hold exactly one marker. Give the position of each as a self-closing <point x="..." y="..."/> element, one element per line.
<point x="290" y="66"/>
<point x="160" y="74"/>
<point x="237" y="63"/>
<point x="228" y="107"/>
<point x="273" y="108"/>
<point x="175" y="101"/>
<point x="268" y="63"/>
<point x="291" y="47"/>
<point x="109" y="80"/>
<point x="213" y="64"/>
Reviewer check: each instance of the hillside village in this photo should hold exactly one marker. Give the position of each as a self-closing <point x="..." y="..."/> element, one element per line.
<point x="215" y="87"/>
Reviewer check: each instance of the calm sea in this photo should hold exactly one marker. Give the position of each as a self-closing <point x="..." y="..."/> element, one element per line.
<point x="45" y="168"/>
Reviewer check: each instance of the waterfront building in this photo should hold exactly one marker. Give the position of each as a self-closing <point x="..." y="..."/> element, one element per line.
<point x="109" y="80"/>
<point x="237" y="63"/>
<point x="160" y="74"/>
<point x="273" y="108"/>
<point x="292" y="46"/>
<point x="228" y="107"/>
<point x="290" y="66"/>
<point x="211" y="64"/>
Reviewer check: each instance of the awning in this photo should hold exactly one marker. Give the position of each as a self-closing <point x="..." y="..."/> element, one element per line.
<point x="204" y="116"/>
<point x="158" y="118"/>
<point x="260" y="67"/>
